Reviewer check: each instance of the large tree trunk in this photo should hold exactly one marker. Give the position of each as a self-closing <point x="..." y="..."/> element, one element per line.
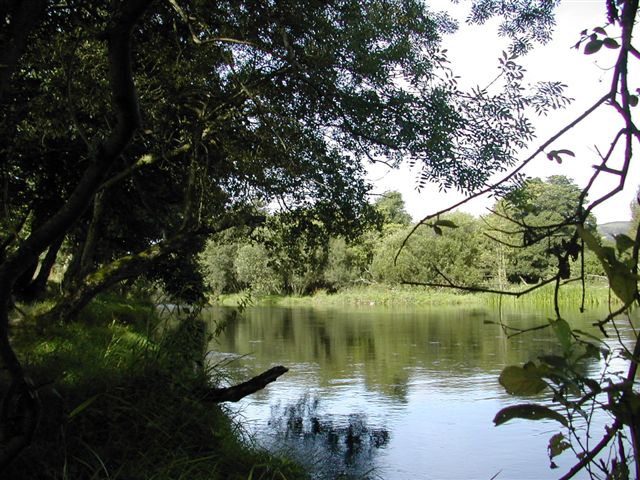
<point x="38" y="286"/>
<point x="103" y="154"/>
<point x="83" y="257"/>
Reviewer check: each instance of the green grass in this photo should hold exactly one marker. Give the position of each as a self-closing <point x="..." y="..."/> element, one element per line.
<point x="597" y="294"/>
<point x="372" y="295"/>
<point x="570" y="295"/>
<point x="119" y="403"/>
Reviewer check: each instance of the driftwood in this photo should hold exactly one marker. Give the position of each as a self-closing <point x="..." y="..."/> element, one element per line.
<point x="238" y="392"/>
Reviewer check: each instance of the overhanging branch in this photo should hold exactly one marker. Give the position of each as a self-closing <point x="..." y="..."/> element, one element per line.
<point x="238" y="392"/>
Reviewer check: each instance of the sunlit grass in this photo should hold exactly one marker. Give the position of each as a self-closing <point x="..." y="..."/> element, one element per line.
<point x="596" y="294"/>
<point x="370" y="295"/>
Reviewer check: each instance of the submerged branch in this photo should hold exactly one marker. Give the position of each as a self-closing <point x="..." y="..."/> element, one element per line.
<point x="238" y="392"/>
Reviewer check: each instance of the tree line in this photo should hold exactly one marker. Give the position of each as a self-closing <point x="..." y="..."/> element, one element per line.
<point x="458" y="248"/>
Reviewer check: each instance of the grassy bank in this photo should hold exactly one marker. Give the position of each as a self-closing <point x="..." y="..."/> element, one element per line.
<point x="119" y="401"/>
<point x="372" y="295"/>
<point x="597" y="294"/>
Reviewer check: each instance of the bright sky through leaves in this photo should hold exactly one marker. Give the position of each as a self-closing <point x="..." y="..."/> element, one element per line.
<point x="474" y="52"/>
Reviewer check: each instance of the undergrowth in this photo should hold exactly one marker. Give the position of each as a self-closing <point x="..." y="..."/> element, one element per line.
<point x="119" y="401"/>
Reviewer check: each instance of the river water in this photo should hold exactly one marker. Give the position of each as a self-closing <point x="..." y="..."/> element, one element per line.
<point x="393" y="393"/>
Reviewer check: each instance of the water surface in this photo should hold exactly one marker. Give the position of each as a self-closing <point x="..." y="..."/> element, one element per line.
<point x="419" y="386"/>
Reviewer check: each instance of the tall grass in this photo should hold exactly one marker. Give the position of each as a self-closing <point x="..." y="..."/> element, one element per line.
<point x="596" y="294"/>
<point x="120" y="401"/>
<point x="570" y="296"/>
<point x="370" y="295"/>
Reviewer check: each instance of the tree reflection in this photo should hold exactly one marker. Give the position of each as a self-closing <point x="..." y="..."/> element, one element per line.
<point x="317" y="439"/>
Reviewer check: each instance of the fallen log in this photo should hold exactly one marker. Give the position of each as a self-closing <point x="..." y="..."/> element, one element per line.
<point x="238" y="392"/>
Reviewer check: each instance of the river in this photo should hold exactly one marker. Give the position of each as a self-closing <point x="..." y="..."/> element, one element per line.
<point x="392" y="393"/>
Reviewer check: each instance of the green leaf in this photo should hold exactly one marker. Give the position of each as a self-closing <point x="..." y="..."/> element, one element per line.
<point x="600" y="30"/>
<point x="626" y="408"/>
<point x="623" y="283"/>
<point x="555" y="154"/>
<point x="564" y="151"/>
<point x="525" y="380"/>
<point x="588" y="335"/>
<point x="557" y="445"/>
<point x="619" y="470"/>
<point x="610" y="43"/>
<point x="592" y="384"/>
<point x="437" y="229"/>
<point x="592" y="47"/>
<point x="623" y="242"/>
<point x="554" y="361"/>
<point x="528" y="411"/>
<point x="633" y="100"/>
<point x="633" y="400"/>
<point x="562" y="331"/>
<point x="83" y="406"/>
<point x="591" y="351"/>
<point x="622" y="280"/>
<point x="446" y="223"/>
<point x="592" y="242"/>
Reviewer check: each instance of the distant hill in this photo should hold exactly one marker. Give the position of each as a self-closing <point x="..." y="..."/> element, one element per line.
<point x="608" y="230"/>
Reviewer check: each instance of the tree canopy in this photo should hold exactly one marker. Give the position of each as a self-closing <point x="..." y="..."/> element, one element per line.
<point x="132" y="130"/>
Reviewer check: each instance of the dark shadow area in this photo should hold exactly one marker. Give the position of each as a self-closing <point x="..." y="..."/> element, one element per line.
<point x="332" y="446"/>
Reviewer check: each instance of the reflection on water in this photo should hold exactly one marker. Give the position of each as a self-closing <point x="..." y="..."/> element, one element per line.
<point x="425" y="377"/>
<point x="320" y="440"/>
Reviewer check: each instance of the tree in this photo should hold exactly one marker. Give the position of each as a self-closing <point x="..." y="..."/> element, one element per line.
<point x="430" y="255"/>
<point x="131" y="130"/>
<point x="253" y="269"/>
<point x="348" y="262"/>
<point x="532" y="222"/>
<point x="391" y="207"/>
<point x="218" y="266"/>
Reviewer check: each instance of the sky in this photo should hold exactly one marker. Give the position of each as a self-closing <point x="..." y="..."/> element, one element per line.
<point x="474" y="51"/>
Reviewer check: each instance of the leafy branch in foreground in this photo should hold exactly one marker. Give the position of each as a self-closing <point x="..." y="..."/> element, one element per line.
<point x="578" y="398"/>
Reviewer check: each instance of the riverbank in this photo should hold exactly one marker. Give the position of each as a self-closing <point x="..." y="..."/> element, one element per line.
<point x="122" y="400"/>
<point x="596" y="294"/>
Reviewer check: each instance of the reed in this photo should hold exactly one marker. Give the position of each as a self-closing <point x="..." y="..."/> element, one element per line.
<point x="596" y="295"/>
<point x="370" y="295"/>
<point x="569" y="296"/>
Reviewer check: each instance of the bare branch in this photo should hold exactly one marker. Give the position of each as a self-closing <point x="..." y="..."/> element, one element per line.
<point x="591" y="455"/>
<point x="194" y="35"/>
<point x="513" y="172"/>
<point x="464" y="288"/>
<point x="238" y="392"/>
